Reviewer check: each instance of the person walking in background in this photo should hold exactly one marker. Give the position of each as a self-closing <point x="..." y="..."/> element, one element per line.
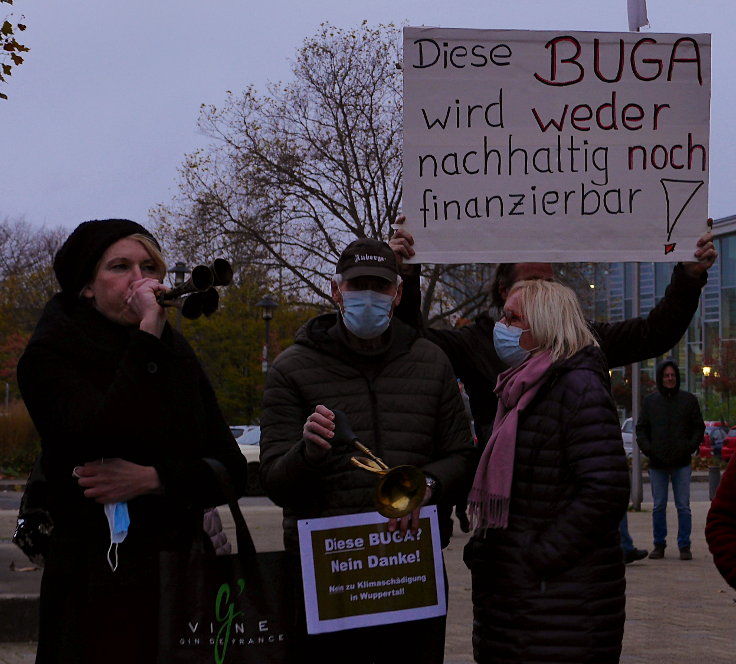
<point x="126" y="416"/>
<point x="669" y="430"/>
<point x="548" y="582"/>
<point x="631" y="552"/>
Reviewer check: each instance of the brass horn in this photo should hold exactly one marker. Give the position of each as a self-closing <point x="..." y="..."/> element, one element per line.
<point x="222" y="272"/>
<point x="201" y="279"/>
<point x="197" y="295"/>
<point x="400" y="490"/>
<point x="194" y="305"/>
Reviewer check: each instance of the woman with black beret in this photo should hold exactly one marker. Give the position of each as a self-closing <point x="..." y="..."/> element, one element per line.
<point x="126" y="415"/>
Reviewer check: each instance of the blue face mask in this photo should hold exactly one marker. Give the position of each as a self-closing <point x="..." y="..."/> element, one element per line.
<point x="119" y="521"/>
<point x="366" y="314"/>
<point x="506" y="341"/>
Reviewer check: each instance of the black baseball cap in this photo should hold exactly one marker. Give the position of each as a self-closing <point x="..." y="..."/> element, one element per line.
<point x="367" y="258"/>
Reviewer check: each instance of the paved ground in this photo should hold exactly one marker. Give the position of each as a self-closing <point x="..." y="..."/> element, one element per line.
<point x="677" y="611"/>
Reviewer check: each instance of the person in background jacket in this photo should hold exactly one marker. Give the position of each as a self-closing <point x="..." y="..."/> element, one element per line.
<point x="669" y="430"/>
<point x="126" y="416"/>
<point x="470" y="347"/>
<point x="402" y="401"/>
<point x="476" y="363"/>
<point x="551" y="487"/>
<point x="720" y="526"/>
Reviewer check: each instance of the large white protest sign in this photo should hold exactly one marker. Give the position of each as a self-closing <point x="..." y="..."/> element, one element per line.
<point x="555" y="146"/>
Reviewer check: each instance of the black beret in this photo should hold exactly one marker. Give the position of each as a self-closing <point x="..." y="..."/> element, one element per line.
<point x="75" y="262"/>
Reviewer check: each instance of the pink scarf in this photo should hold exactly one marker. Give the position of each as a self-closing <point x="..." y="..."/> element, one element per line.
<point x="490" y="496"/>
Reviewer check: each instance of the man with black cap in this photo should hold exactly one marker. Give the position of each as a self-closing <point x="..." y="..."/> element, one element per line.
<point x="401" y="399"/>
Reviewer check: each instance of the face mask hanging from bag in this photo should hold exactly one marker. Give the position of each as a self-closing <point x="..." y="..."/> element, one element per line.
<point x="119" y="521"/>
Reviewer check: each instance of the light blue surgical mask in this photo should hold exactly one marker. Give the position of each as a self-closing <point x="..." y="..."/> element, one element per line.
<point x="366" y="313"/>
<point x="506" y="340"/>
<point x="119" y="521"/>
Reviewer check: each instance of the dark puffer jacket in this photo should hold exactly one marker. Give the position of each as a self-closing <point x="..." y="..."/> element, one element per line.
<point x="550" y="587"/>
<point x="670" y="426"/>
<point x="475" y="362"/>
<point x="403" y="403"/>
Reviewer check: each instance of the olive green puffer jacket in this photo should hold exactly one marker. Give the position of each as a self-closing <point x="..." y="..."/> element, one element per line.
<point x="402" y="402"/>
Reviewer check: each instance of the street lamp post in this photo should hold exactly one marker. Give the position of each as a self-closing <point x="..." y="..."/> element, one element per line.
<point x="267" y="305"/>
<point x="706" y="376"/>
<point x="180" y="270"/>
<point x="714" y="471"/>
<point x="637" y="481"/>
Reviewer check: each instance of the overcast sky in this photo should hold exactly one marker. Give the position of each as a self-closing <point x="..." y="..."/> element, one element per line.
<point x="104" y="109"/>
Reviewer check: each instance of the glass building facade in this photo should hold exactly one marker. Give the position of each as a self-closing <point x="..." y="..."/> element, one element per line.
<point x="709" y="346"/>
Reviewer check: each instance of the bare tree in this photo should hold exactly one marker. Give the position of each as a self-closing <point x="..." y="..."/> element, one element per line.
<point x="293" y="175"/>
<point x="26" y="274"/>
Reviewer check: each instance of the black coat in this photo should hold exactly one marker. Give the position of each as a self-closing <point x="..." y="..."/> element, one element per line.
<point x="550" y="587"/>
<point x="475" y="362"/>
<point x="97" y="390"/>
<point x="670" y="426"/>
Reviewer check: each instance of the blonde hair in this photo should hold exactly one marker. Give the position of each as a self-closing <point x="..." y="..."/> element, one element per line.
<point x="554" y="317"/>
<point x="153" y="251"/>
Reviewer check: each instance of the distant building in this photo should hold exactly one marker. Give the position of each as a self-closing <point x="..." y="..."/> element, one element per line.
<point x="713" y="329"/>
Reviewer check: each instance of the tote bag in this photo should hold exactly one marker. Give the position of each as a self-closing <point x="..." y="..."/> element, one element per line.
<point x="228" y="608"/>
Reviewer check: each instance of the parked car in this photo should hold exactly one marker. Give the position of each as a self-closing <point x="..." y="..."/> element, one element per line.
<point x="713" y="438"/>
<point x="248" y="437"/>
<point x="728" y="449"/>
<point x="627" y="434"/>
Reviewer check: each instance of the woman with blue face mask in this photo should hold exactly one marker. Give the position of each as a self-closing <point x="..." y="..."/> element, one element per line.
<point x="549" y="493"/>
<point x="512" y="341"/>
<point x="126" y="416"/>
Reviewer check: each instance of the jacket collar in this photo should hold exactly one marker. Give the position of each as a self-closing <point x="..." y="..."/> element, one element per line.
<point x="325" y="334"/>
<point x="75" y="328"/>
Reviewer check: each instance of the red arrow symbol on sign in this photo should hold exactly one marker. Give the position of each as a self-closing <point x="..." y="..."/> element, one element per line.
<point x="669" y="248"/>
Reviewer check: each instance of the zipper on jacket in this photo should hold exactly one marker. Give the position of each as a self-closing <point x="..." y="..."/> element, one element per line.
<point x="377" y="437"/>
<point x="378" y="448"/>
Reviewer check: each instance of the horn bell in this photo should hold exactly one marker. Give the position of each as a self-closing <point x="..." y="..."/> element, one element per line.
<point x="399" y="491"/>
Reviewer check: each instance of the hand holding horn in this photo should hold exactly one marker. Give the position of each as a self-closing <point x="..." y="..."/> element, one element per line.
<point x="400" y="490"/>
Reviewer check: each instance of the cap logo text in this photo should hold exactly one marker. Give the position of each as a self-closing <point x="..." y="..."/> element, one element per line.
<point x="368" y="257"/>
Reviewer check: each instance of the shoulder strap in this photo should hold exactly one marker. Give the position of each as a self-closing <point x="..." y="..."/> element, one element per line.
<point x="245" y="541"/>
